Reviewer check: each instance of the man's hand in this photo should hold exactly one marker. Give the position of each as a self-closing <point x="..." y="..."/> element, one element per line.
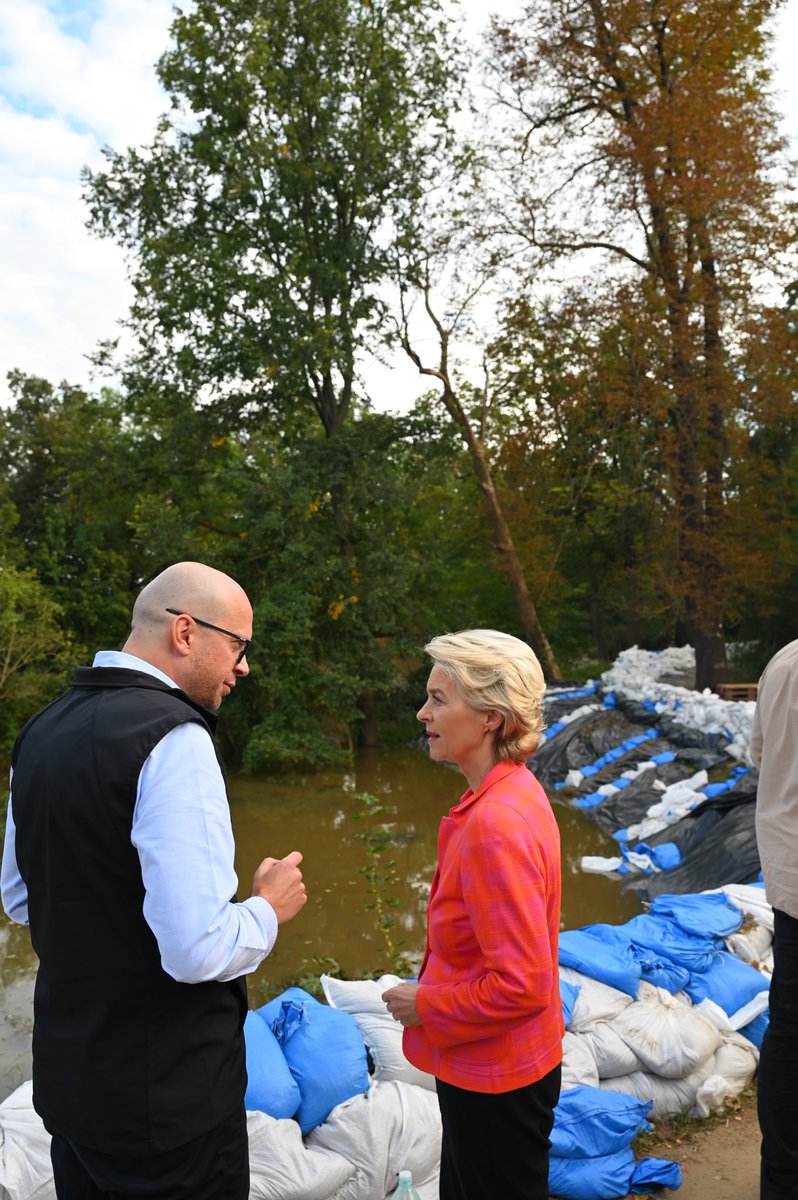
<point x="401" y="1003"/>
<point x="279" y="880"/>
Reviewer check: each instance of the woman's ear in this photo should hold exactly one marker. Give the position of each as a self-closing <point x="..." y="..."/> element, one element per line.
<point x="493" y="720"/>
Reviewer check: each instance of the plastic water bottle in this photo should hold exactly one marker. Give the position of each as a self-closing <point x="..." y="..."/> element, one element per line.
<point x="405" y="1191"/>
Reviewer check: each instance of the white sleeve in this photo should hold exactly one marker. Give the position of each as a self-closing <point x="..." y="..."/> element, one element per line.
<point x="184" y="838"/>
<point x="12" y="885"/>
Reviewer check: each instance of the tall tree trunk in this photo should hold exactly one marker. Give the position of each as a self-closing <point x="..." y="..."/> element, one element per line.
<point x="509" y="562"/>
<point x="508" y="558"/>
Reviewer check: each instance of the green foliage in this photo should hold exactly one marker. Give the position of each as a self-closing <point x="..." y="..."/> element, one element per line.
<point x="260" y="227"/>
<point x="69" y="466"/>
<point x="309" y="972"/>
<point x="258" y="219"/>
<point x="36" y="653"/>
<point x="380" y="876"/>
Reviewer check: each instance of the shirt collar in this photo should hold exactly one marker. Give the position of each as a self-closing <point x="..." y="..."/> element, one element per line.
<point x="119" y="658"/>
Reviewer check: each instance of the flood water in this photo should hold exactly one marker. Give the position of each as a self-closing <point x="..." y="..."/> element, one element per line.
<point x="337" y="930"/>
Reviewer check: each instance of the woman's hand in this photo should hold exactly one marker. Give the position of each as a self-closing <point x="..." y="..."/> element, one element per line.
<point x="401" y="1003"/>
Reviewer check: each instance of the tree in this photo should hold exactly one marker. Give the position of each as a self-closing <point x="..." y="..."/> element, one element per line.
<point x="36" y="650"/>
<point x="261" y="509"/>
<point x="458" y="404"/>
<point x="72" y="470"/>
<point x="258" y="222"/>
<point x="582" y="462"/>
<point x="643" y="132"/>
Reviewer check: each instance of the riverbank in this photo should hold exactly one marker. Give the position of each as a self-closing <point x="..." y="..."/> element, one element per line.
<point x="719" y="1157"/>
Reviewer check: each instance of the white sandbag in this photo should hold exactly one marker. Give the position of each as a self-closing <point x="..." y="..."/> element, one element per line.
<point x="361" y="998"/>
<point x="650" y="991"/>
<point x="282" y="1167"/>
<point x="394" y="1127"/>
<point x="737" y="1059"/>
<point x="594" y="864"/>
<point x="612" y="1056"/>
<point x="751" y="943"/>
<point x="669" y="1039"/>
<point x="578" y="1064"/>
<point x="737" y="1020"/>
<point x="596" y="1001"/>
<point x="26" y="1172"/>
<point x="735" y="1067"/>
<point x="751" y="901"/>
<point x="669" y="1096"/>
<point x="711" y="1097"/>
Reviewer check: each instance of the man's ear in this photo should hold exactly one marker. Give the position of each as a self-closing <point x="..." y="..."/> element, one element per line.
<point x="181" y="635"/>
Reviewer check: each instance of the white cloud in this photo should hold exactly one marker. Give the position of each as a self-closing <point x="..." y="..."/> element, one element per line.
<point x="106" y="84"/>
<point x="785" y="39"/>
<point x="61" y="100"/>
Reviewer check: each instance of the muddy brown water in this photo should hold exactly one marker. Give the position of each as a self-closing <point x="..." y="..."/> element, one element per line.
<point x="338" y="928"/>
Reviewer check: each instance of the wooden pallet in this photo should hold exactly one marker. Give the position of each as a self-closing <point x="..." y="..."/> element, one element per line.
<point x="737" y="691"/>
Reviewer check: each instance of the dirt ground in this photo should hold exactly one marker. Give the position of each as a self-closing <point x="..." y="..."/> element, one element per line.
<point x="719" y="1157"/>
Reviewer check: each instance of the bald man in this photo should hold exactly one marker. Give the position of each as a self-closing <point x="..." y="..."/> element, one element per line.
<point x="119" y="855"/>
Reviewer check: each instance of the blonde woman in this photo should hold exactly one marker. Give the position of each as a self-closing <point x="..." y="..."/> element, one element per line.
<point x="485" y="1017"/>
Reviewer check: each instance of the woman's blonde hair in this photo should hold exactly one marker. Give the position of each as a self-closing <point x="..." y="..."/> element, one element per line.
<point x="498" y="671"/>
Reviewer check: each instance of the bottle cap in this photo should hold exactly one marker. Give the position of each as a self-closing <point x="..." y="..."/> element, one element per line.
<point x="405" y="1176"/>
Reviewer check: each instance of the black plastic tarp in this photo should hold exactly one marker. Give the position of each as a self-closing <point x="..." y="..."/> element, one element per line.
<point x="726" y="853"/>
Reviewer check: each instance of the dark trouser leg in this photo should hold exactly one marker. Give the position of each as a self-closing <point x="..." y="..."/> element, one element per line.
<point x="497" y="1145"/>
<point x="778" y="1069"/>
<point x="72" y="1180"/>
<point x="214" y="1166"/>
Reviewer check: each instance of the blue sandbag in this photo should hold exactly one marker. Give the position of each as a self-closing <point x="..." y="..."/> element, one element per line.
<point x="666" y="855"/>
<point x="655" y="967"/>
<point x="271" y="1088"/>
<point x="604" y="960"/>
<point x="589" y="1122"/>
<point x="755" y="1030"/>
<point x="568" y="994"/>
<point x="730" y="982"/>
<point x="710" y="914"/>
<point x="655" y="1172"/>
<point x="692" y="951"/>
<point x="590" y="800"/>
<point x="324" y="1050"/>
<point x="603" y="1178"/>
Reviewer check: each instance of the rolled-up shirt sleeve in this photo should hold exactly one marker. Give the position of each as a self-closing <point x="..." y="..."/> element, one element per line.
<point x="184" y="838"/>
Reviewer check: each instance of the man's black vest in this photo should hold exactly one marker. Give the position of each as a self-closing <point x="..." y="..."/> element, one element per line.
<point x="125" y="1059"/>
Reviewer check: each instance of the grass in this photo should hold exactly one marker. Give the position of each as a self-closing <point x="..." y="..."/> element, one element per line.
<point x="669" y="1132"/>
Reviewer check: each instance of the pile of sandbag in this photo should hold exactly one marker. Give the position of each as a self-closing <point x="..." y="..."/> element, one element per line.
<point x="670" y="1007"/>
<point x="591" y="1157"/>
<point x="321" y="1127"/>
<point x="591" y="1147"/>
<point x="637" y="761"/>
<point x="641" y="675"/>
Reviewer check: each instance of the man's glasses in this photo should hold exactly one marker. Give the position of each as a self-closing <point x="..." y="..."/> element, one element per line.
<point x="175" y="612"/>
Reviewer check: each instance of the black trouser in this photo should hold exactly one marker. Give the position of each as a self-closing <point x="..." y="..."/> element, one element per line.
<point x="214" y="1166"/>
<point x="497" y="1144"/>
<point x="778" y="1069"/>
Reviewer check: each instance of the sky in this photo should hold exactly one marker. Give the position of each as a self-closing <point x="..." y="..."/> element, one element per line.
<point x="77" y="75"/>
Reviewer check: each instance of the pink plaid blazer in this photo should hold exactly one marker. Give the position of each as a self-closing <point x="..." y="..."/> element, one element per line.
<point x="489" y="999"/>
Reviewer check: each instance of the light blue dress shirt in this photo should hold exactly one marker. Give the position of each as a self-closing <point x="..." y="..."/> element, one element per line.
<point x="184" y="838"/>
